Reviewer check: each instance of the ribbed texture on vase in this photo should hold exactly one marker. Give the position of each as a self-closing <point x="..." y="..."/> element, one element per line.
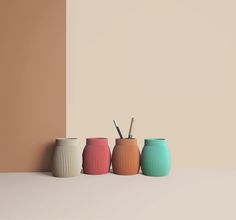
<point x="155" y="157"/>
<point x="96" y="156"/>
<point x="66" y="161"/>
<point x="126" y="157"/>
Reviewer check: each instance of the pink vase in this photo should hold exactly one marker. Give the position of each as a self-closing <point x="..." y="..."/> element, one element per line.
<point x="96" y="156"/>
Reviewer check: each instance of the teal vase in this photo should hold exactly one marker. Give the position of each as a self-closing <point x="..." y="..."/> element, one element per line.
<point x="155" y="157"/>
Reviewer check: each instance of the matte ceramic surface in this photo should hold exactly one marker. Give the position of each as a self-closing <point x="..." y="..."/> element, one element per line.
<point x="66" y="158"/>
<point x="96" y="156"/>
<point x="126" y="157"/>
<point x="155" y="157"/>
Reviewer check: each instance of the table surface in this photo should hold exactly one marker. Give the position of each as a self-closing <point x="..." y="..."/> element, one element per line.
<point x="185" y="194"/>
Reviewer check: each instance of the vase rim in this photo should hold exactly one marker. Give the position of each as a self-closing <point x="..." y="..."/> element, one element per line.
<point x="69" y="138"/>
<point x="125" y="138"/>
<point x="154" y="139"/>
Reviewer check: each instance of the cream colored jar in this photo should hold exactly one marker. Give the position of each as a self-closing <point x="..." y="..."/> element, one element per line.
<point x="66" y="160"/>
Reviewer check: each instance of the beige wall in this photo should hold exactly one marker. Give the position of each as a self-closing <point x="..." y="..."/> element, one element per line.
<point x="32" y="82"/>
<point x="170" y="64"/>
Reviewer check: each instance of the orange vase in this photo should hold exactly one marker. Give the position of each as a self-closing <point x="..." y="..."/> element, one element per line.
<point x="126" y="157"/>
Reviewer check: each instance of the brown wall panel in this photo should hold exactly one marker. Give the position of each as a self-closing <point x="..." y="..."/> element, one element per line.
<point x="32" y="82"/>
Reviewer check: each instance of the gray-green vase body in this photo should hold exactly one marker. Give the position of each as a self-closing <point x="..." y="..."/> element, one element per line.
<point x="66" y="161"/>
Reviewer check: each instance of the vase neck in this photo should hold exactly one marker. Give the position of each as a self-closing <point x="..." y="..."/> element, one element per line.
<point x="67" y="141"/>
<point x="154" y="141"/>
<point x="126" y="141"/>
<point x="96" y="141"/>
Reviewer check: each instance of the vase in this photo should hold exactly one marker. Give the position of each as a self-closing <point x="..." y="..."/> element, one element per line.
<point x="126" y="157"/>
<point x="66" y="161"/>
<point x="155" y="157"/>
<point x="96" y="156"/>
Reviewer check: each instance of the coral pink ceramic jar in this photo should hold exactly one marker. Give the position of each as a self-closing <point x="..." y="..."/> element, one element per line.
<point x="96" y="156"/>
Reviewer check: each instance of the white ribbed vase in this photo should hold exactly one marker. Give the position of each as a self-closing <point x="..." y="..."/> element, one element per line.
<point x="66" y="161"/>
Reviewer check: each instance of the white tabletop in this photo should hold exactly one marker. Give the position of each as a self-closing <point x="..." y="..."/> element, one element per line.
<point x="185" y="194"/>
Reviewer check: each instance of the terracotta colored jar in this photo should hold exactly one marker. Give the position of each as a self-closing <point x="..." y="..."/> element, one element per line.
<point x="126" y="157"/>
<point x="96" y="156"/>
